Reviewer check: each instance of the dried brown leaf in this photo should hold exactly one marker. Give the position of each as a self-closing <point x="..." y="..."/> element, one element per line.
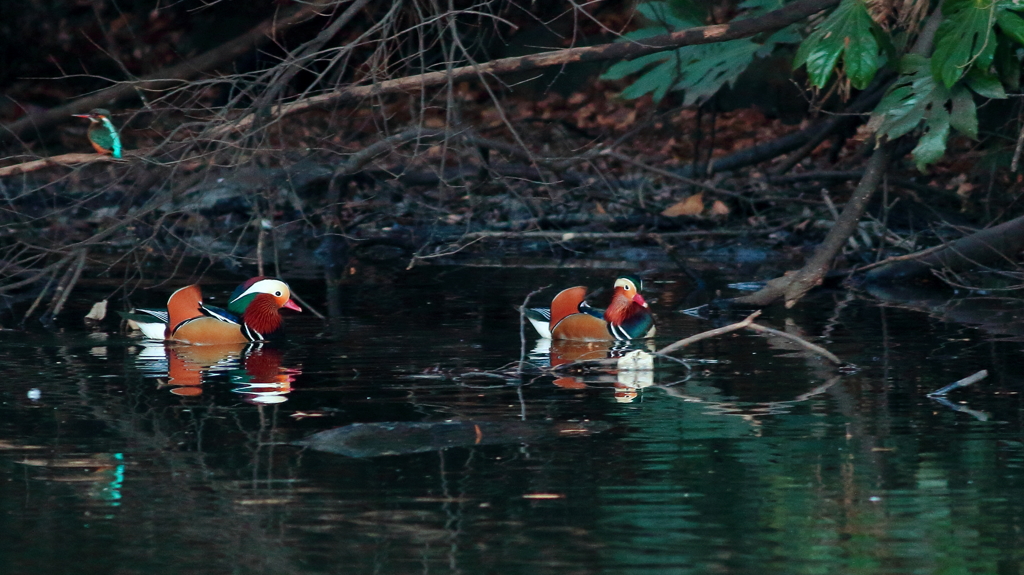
<point x="691" y="206"/>
<point x="719" y="209"/>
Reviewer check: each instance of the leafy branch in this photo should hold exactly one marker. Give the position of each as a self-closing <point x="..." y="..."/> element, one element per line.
<point x="698" y="71"/>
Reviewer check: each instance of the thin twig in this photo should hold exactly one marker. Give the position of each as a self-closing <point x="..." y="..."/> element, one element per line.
<point x="710" y="333"/>
<point x="42" y="294"/>
<point x="818" y="390"/>
<point x="904" y="257"/>
<point x="260" y="234"/>
<point x="38" y="275"/>
<point x="306" y="306"/>
<point x="747" y="323"/>
<point x="770" y="21"/>
<point x="35" y="124"/>
<point x="412" y="262"/>
<point x="65" y="291"/>
<point x="674" y="176"/>
<point x="1016" y="151"/>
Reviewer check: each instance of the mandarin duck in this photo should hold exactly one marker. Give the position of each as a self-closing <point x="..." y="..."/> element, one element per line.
<point x="252" y="314"/>
<point x="102" y="134"/>
<point x="571" y="317"/>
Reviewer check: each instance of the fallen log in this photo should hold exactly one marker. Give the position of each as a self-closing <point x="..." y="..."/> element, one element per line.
<point x="988" y="247"/>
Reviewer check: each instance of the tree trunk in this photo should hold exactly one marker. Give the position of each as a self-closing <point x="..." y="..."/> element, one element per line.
<point x="793" y="285"/>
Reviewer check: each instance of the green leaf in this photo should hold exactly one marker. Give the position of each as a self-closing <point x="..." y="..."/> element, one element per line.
<point x="706" y="68"/>
<point x="918" y="99"/>
<point x="658" y="80"/>
<point x="985" y="84"/>
<point x="932" y="145"/>
<point x="663" y="14"/>
<point x="1011" y="24"/>
<point x="761" y="5"/>
<point x="964" y="39"/>
<point x="861" y="59"/>
<point x="620" y="70"/>
<point x="699" y="71"/>
<point x="848" y="31"/>
<point x="964" y="114"/>
<point x="1009" y="5"/>
<point x="788" y="35"/>
<point x="905" y="103"/>
<point x="692" y="12"/>
<point x="819" y="56"/>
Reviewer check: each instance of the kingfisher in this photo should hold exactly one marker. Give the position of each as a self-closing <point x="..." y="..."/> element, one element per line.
<point x="102" y="134"/>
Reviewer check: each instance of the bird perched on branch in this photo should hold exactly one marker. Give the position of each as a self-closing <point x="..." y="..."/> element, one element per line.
<point x="571" y="317"/>
<point x="102" y="134"/>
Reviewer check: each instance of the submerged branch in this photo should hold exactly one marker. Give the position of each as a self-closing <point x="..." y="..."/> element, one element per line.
<point x="710" y="333"/>
<point x="746" y="323"/>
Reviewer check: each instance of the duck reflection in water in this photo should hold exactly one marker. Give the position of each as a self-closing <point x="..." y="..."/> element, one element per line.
<point x="626" y="383"/>
<point x="254" y="369"/>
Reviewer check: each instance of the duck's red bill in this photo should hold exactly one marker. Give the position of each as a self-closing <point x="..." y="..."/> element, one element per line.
<point x="290" y="304"/>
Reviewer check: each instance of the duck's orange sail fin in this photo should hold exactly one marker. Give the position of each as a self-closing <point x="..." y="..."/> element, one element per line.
<point x="566" y="303"/>
<point x="182" y="306"/>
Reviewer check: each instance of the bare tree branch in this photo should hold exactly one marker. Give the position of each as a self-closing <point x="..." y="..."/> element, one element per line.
<point x="29" y="127"/>
<point x="61" y="160"/>
<point x="771" y="21"/>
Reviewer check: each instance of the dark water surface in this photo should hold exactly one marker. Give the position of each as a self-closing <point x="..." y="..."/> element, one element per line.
<point x="121" y="458"/>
